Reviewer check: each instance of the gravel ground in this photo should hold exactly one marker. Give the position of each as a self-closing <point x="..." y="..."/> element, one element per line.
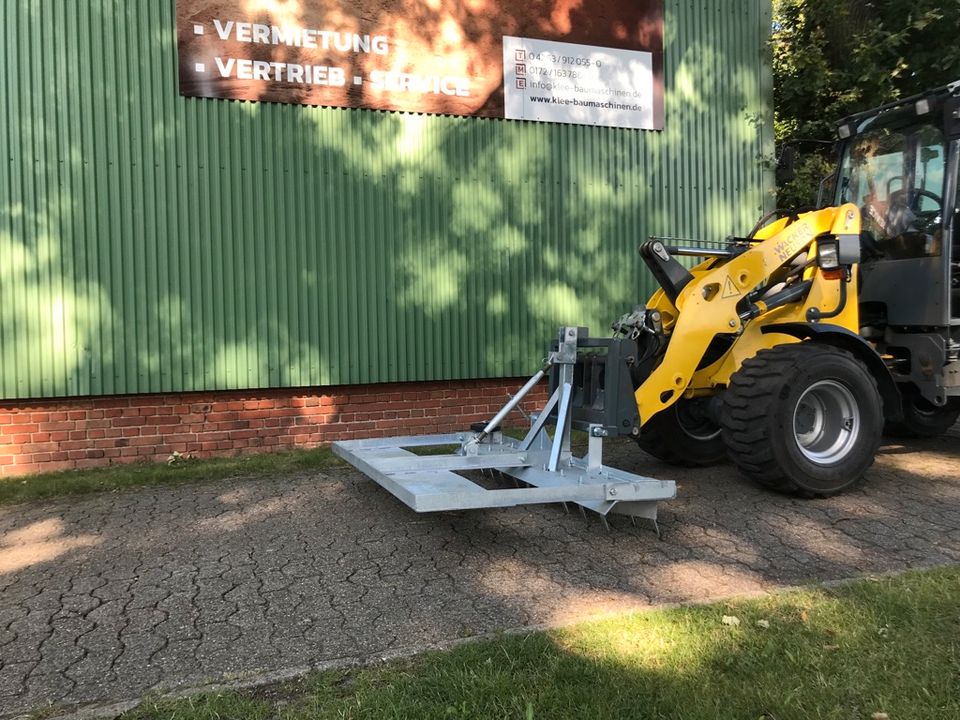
<point x="112" y="596"/>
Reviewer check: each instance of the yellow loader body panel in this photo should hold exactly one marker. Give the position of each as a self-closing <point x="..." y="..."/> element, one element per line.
<point x="708" y="306"/>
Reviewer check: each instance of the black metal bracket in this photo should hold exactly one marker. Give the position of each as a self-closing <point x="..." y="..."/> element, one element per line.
<point x="669" y="273"/>
<point x="603" y="392"/>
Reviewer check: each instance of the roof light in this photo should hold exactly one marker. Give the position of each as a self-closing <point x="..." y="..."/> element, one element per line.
<point x="845" y="131"/>
<point x="923" y="106"/>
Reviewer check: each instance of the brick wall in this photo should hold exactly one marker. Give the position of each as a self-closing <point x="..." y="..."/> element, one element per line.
<point x="38" y="436"/>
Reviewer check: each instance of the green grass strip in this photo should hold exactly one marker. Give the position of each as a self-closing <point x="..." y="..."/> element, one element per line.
<point x="49" y="486"/>
<point x="872" y="649"/>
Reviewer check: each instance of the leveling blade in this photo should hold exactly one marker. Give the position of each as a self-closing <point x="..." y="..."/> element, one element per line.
<point x="545" y="465"/>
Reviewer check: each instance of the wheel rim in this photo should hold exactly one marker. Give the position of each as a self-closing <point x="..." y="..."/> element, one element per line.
<point x="923" y="407"/>
<point x="826" y="422"/>
<point x="694" y="421"/>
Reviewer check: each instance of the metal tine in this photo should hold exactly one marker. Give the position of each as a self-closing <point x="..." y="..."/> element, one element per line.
<point x="566" y="508"/>
<point x="605" y="523"/>
<point x="583" y="513"/>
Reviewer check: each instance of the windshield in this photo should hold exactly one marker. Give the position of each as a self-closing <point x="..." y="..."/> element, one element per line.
<point x="896" y="176"/>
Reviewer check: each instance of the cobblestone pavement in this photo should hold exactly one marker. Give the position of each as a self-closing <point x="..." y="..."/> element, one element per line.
<point x="108" y="597"/>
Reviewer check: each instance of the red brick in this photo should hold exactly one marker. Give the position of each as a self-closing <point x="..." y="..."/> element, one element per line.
<point x="73" y="445"/>
<point x="121" y="422"/>
<point x="88" y="464"/>
<point x="46" y="447"/>
<point x="22" y="469"/>
<point x="109" y="403"/>
<point x="20" y="429"/>
<point x="143" y="441"/>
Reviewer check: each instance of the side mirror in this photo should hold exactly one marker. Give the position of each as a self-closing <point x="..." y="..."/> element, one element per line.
<point x="786" y="165"/>
<point x="827" y="185"/>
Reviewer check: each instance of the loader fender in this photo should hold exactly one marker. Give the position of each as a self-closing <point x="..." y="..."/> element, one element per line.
<point x="840" y="337"/>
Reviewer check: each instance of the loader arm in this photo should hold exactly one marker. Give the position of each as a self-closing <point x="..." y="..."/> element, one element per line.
<point x="707" y="305"/>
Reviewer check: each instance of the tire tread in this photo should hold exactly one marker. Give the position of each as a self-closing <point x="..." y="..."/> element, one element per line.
<point x="749" y="400"/>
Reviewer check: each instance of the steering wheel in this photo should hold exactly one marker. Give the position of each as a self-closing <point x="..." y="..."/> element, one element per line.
<point x="925" y="217"/>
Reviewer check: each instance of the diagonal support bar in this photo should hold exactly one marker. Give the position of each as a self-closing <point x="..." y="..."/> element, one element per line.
<point x="562" y="429"/>
<point x="541" y="421"/>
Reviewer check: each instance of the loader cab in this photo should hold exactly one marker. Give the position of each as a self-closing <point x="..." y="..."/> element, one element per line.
<point x="899" y="165"/>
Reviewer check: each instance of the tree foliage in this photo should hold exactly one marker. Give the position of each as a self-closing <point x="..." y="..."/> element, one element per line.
<point x="832" y="58"/>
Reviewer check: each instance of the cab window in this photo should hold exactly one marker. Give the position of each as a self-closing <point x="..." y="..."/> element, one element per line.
<point x="895" y="177"/>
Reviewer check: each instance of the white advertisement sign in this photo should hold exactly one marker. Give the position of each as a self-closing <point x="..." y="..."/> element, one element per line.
<point x="559" y="82"/>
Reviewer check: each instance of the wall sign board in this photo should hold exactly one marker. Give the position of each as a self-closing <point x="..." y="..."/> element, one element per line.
<point x="591" y="62"/>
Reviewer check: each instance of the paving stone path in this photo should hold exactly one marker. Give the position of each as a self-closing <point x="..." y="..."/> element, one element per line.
<point x="108" y="597"/>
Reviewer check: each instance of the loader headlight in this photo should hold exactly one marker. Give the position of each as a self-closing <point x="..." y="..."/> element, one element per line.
<point x="828" y="254"/>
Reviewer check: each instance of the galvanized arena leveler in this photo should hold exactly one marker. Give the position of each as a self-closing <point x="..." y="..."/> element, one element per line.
<point x="591" y="390"/>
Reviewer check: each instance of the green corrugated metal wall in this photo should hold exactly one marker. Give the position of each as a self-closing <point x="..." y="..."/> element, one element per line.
<point x="153" y="243"/>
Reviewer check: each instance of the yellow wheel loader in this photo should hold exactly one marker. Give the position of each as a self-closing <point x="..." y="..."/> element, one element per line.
<point x="789" y="350"/>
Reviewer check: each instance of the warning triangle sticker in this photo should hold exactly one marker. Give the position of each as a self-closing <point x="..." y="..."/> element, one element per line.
<point x="729" y="288"/>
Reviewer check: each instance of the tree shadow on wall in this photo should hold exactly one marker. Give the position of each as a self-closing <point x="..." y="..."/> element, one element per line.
<point x="158" y="243"/>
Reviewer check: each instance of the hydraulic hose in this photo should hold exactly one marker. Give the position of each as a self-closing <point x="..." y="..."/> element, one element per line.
<point x="815" y="314"/>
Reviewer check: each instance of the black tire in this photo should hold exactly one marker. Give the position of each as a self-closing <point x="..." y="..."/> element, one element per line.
<point x="684" y="435"/>
<point x="803" y="419"/>
<point x="921" y="418"/>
